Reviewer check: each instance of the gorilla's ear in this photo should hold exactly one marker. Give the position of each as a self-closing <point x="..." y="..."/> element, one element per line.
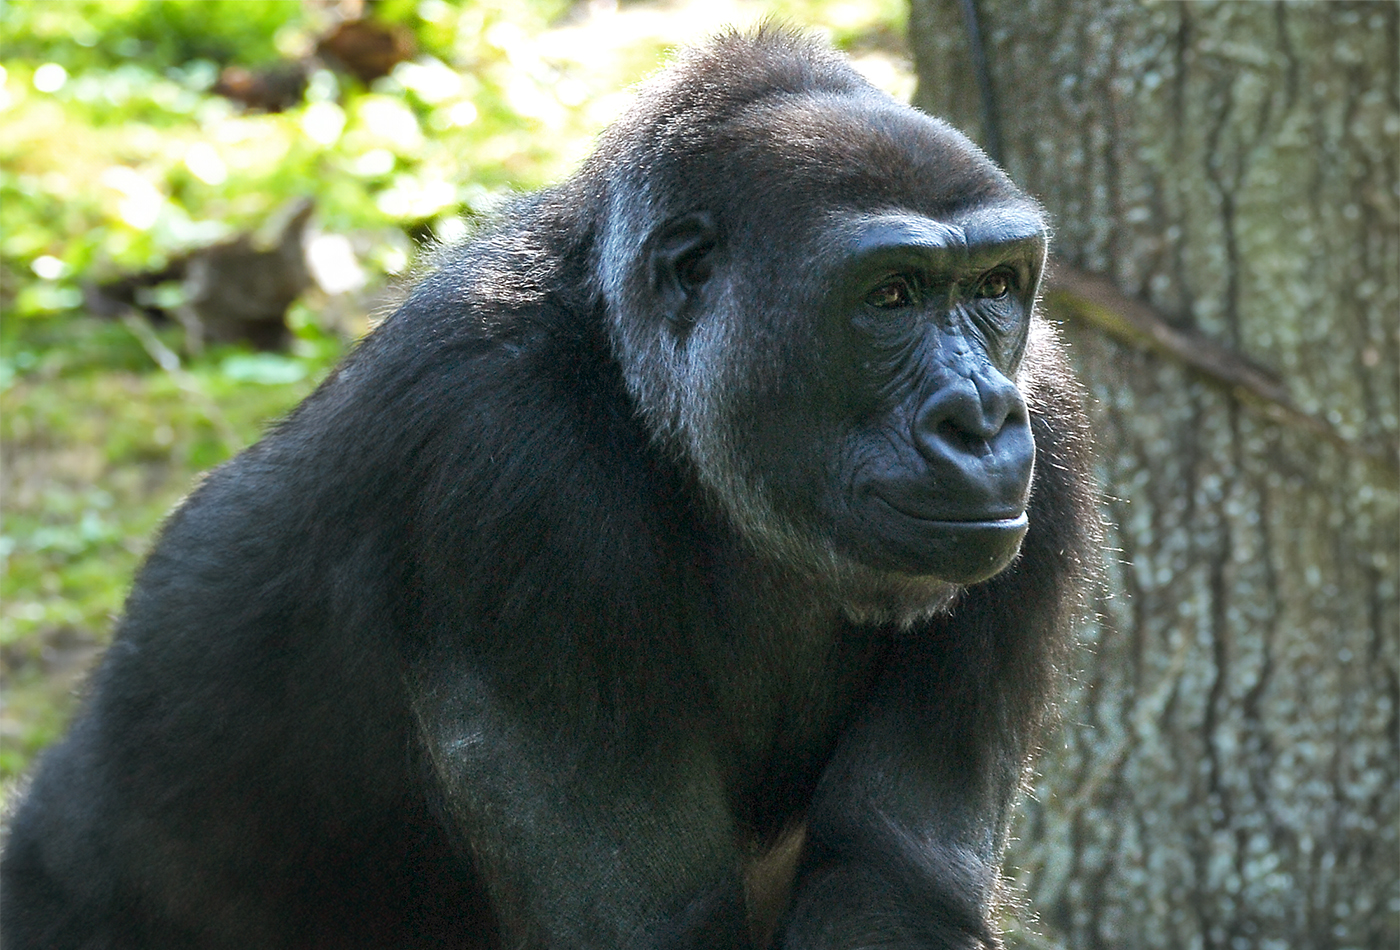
<point x="681" y="259"/>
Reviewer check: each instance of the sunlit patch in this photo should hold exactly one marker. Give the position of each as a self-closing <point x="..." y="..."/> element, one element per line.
<point x="391" y="122"/>
<point x="141" y="201"/>
<point x="322" y="122"/>
<point x="50" y="77"/>
<point x="205" y="164"/>
<point x="333" y="265"/>
<point x="48" y="267"/>
<point x="429" y="79"/>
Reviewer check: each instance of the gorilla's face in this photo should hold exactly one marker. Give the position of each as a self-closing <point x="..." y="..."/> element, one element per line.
<point x="885" y="420"/>
<point x="931" y="470"/>
<point x="841" y="348"/>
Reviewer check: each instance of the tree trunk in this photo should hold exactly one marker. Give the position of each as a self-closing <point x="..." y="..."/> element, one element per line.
<point x="1226" y="772"/>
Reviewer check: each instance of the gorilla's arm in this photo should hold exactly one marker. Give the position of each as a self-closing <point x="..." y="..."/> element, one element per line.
<point x="624" y="848"/>
<point x="545" y="670"/>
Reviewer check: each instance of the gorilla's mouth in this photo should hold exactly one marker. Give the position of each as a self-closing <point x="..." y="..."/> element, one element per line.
<point x="1008" y="519"/>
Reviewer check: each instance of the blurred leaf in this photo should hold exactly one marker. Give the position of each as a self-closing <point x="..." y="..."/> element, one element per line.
<point x="269" y="369"/>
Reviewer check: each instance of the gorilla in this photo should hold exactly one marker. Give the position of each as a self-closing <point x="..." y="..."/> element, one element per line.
<point x="686" y="564"/>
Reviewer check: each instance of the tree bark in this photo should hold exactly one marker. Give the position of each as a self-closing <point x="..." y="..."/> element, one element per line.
<point x="1226" y="772"/>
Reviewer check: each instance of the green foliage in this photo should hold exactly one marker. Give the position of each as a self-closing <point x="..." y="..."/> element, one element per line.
<point x="117" y="157"/>
<point x="82" y="35"/>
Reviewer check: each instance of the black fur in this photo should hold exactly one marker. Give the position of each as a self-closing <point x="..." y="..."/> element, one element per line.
<point x="568" y="612"/>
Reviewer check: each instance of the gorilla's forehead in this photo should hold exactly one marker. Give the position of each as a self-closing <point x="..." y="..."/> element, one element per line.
<point x="867" y="151"/>
<point x="971" y="228"/>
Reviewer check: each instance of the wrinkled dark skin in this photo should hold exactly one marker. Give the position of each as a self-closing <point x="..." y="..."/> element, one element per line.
<point x="685" y="565"/>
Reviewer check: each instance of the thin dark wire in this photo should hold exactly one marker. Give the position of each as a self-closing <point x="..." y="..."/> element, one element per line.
<point x="977" y="49"/>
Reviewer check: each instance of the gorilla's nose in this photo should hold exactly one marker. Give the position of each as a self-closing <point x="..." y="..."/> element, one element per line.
<point x="968" y="416"/>
<point x="975" y="434"/>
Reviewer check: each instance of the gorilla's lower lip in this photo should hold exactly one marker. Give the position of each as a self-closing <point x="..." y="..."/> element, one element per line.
<point x="1003" y="522"/>
<point x="995" y="524"/>
<point x="957" y="550"/>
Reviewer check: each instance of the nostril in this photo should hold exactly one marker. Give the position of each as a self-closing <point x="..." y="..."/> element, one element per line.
<point x="969" y="443"/>
<point x="951" y="423"/>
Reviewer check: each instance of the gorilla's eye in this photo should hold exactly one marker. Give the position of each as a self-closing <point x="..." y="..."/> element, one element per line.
<point x="994" y="286"/>
<point x="893" y="294"/>
<point x="695" y="267"/>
